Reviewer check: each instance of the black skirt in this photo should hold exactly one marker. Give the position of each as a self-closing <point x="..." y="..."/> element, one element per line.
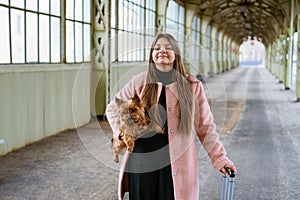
<point x="149" y="169"/>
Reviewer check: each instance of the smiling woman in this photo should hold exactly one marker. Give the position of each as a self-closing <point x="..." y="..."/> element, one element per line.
<point x="163" y="55"/>
<point x="156" y="168"/>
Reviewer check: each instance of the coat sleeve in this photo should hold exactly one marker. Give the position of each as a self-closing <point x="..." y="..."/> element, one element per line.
<point x="206" y="130"/>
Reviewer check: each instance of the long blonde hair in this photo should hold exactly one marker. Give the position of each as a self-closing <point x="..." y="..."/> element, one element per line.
<point x="183" y="85"/>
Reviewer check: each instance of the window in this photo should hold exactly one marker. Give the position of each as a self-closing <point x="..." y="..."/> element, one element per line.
<point x="78" y="30"/>
<point x="216" y="47"/>
<point x="32" y="31"/>
<point x="132" y="29"/>
<point x="208" y="39"/>
<point x="4" y="36"/>
<point x="196" y="38"/>
<point x="175" y="22"/>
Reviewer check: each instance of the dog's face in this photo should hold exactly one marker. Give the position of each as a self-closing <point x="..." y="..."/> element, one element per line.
<point x="132" y="111"/>
<point x="123" y="109"/>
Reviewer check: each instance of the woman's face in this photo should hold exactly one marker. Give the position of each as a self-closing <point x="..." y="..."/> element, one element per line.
<point x="163" y="55"/>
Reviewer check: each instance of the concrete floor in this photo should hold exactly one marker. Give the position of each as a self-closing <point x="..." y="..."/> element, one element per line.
<point x="259" y="127"/>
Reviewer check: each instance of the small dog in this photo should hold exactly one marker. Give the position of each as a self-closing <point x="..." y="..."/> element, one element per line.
<point x="133" y="121"/>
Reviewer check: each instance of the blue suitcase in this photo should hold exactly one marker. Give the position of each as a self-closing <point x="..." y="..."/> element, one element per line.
<point x="228" y="181"/>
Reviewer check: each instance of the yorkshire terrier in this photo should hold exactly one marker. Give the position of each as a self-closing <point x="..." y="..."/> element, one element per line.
<point x="133" y="121"/>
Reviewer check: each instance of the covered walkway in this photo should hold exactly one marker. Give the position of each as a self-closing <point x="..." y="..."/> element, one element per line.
<point x="263" y="142"/>
<point x="61" y="62"/>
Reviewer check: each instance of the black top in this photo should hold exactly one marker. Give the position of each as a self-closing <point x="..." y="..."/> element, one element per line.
<point x="149" y="168"/>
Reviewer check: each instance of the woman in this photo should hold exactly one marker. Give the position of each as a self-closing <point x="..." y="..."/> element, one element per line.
<point x="165" y="166"/>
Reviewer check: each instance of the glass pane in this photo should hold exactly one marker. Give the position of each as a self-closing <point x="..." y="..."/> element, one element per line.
<point x="138" y="47"/>
<point x="181" y="48"/>
<point x="113" y="45"/>
<point x="113" y="14"/>
<point x="120" y="45"/>
<point x="31" y="37"/>
<point x="87" y="11"/>
<point x="4" y="2"/>
<point x="17" y="34"/>
<point x="55" y="39"/>
<point x="172" y="10"/>
<point x="151" y="23"/>
<point x="181" y="32"/>
<point x="87" y="42"/>
<point x="181" y="15"/>
<point x="125" y="41"/>
<point x="150" y="18"/>
<point x="194" y="23"/>
<point x="141" y="45"/>
<point x="78" y="10"/>
<point x="126" y="15"/>
<point x="70" y="9"/>
<point x="131" y="15"/>
<point x="4" y="36"/>
<point x="148" y="44"/>
<point x="44" y="39"/>
<point x="31" y="5"/>
<point x="78" y="42"/>
<point x="130" y="50"/>
<point x="141" y="23"/>
<point x="17" y="3"/>
<point x="121" y="15"/>
<point x="153" y="5"/>
<point x="44" y="6"/>
<point x="140" y="2"/>
<point x="171" y="25"/>
<point x="69" y="42"/>
<point x="55" y="7"/>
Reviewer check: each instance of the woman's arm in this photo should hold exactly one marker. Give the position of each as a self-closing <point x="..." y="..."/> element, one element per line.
<point x="206" y="130"/>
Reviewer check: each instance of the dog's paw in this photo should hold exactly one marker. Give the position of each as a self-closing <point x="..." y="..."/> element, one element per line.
<point x="160" y="131"/>
<point x="130" y="149"/>
<point x="116" y="159"/>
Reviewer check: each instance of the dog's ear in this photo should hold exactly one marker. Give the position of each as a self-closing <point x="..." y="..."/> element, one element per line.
<point x="135" y="98"/>
<point x="119" y="101"/>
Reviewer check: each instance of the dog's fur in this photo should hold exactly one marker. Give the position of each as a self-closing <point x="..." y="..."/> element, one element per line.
<point x="133" y="120"/>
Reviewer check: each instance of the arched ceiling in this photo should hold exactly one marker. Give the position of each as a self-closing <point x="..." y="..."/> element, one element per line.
<point x="263" y="19"/>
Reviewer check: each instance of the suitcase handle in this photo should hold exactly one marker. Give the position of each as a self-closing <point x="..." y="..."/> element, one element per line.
<point x="230" y="172"/>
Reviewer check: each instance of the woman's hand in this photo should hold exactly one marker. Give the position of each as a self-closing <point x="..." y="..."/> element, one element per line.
<point x="229" y="166"/>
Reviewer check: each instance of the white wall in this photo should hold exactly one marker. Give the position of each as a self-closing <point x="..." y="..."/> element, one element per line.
<point x="41" y="100"/>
